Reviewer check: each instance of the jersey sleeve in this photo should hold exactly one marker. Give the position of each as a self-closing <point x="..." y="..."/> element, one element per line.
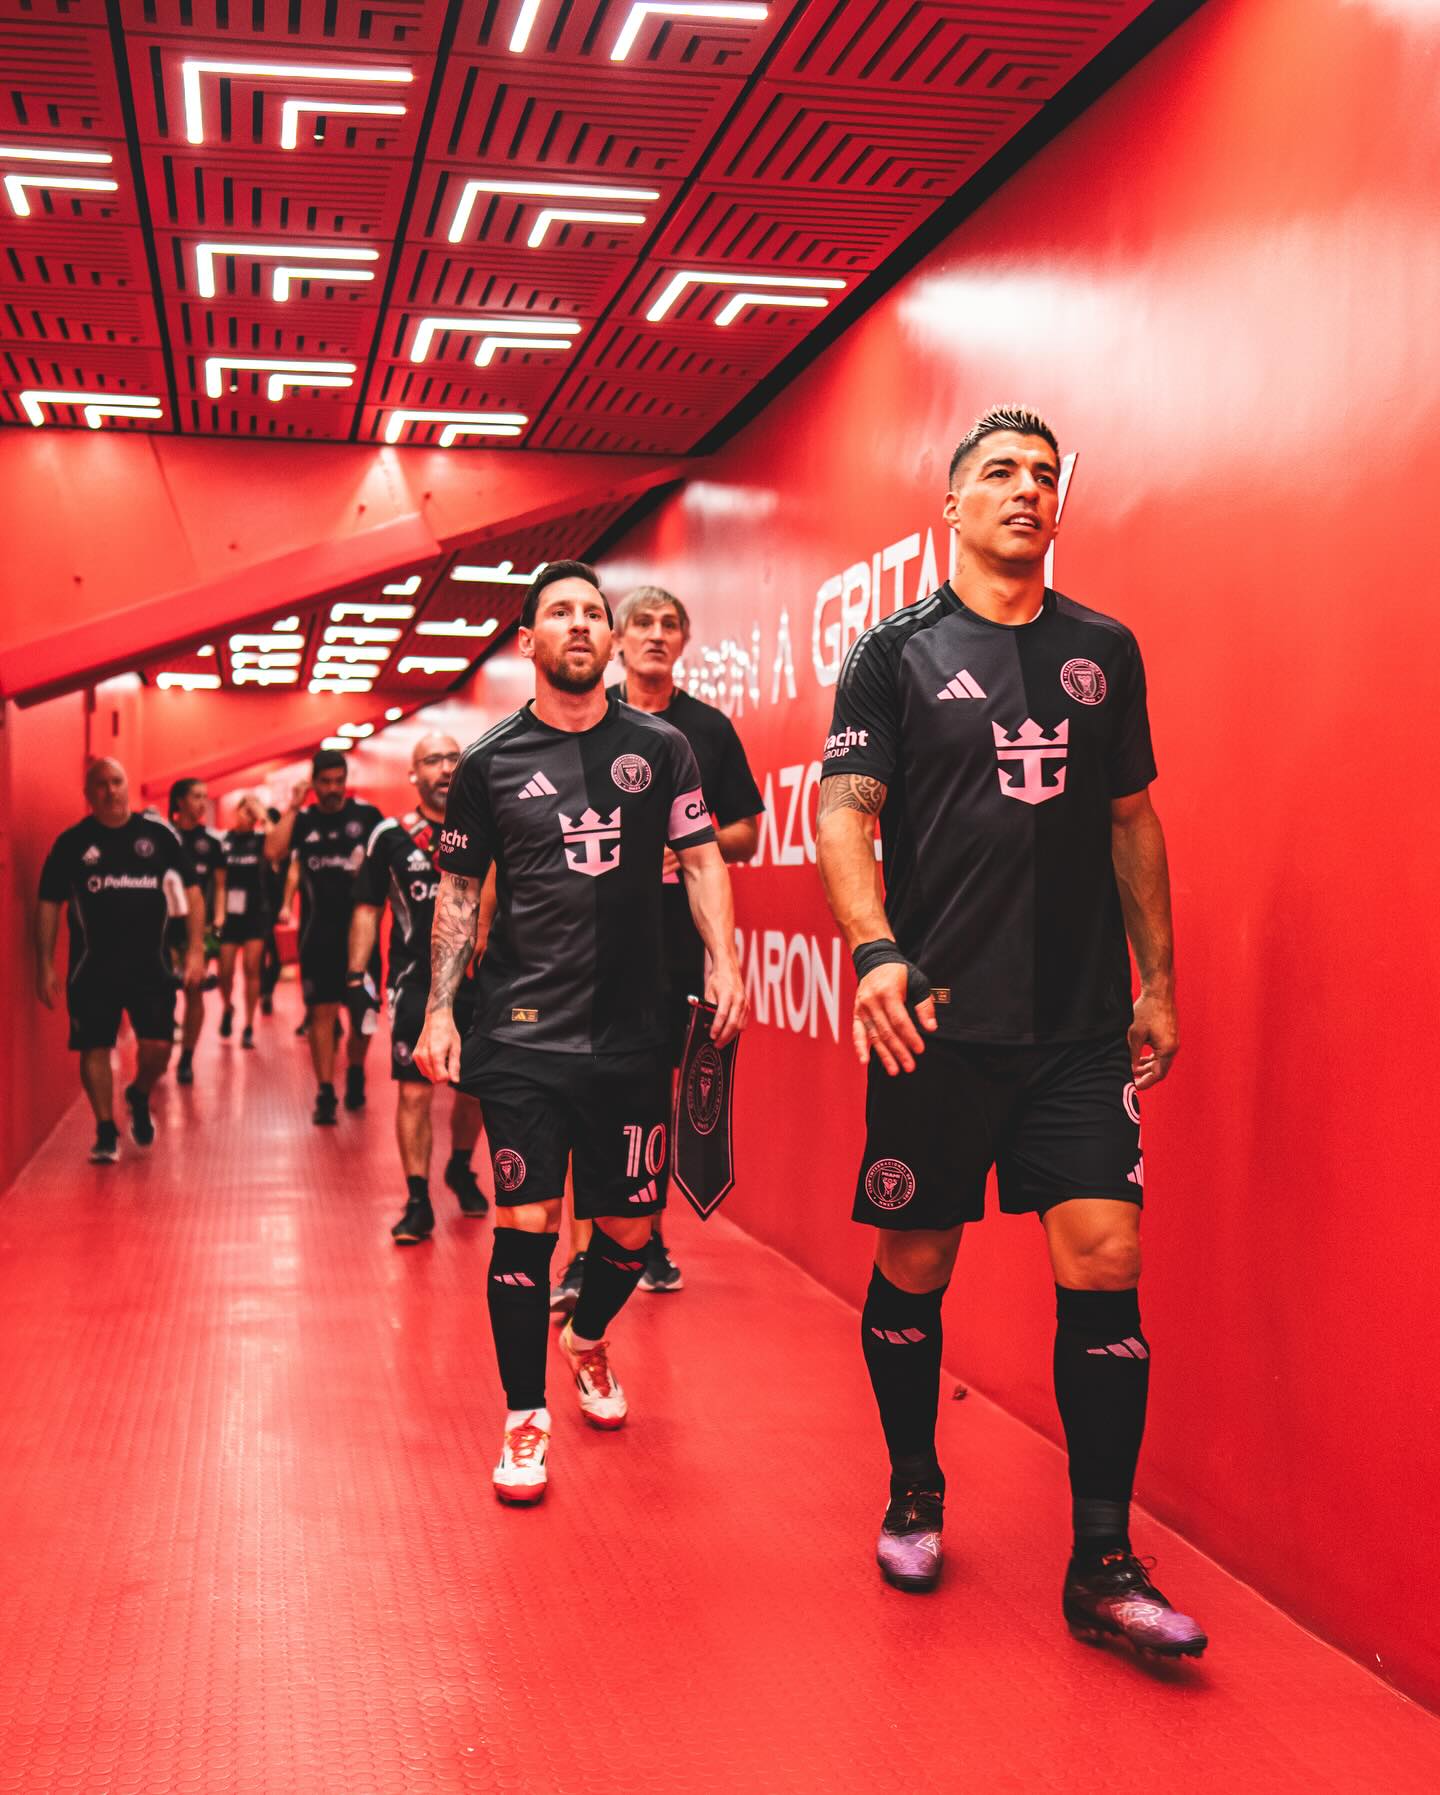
<point x="689" y="825"/>
<point x="176" y="857"/>
<point x="735" y="795"/>
<point x="469" y="839"/>
<point x="864" y="736"/>
<point x="1131" y="762"/>
<point x="55" y="874"/>
<point x="372" y="882"/>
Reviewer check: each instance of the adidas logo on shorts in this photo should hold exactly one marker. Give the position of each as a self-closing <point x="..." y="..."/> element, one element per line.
<point x="538" y="787"/>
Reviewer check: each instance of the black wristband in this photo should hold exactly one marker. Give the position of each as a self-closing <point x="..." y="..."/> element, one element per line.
<point x="355" y="978"/>
<point x="870" y="954"/>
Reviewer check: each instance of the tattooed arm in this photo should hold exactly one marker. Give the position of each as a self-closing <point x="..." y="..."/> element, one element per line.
<point x="850" y="806"/>
<point x="452" y="947"/>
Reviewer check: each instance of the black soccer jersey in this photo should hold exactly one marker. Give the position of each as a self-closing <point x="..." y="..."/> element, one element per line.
<point x="120" y="886"/>
<point x="576" y="825"/>
<point x="731" y="794"/>
<point x="247" y="888"/>
<point x="329" y="846"/>
<point x="400" y="866"/>
<point x="207" y="855"/>
<point x="1001" y="749"/>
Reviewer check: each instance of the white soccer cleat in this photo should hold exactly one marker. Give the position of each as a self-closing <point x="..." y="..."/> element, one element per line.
<point x="520" y="1477"/>
<point x="602" y="1401"/>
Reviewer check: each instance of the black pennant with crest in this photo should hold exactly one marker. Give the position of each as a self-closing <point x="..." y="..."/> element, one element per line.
<point x="703" y="1164"/>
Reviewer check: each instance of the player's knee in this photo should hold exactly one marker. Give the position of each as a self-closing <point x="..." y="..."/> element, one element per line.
<point x="530" y="1218"/>
<point x="414" y="1099"/>
<point x="629" y="1231"/>
<point x="1104" y="1262"/>
<point x="916" y="1263"/>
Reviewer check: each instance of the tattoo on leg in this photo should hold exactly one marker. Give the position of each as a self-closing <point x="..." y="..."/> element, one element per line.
<point x="852" y="791"/>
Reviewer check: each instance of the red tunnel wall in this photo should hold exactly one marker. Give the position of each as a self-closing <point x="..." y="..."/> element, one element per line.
<point x="1221" y="286"/>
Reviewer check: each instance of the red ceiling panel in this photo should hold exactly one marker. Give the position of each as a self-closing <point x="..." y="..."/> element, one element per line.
<point x="285" y="25"/>
<point x="578" y="123"/>
<point x="588" y="34"/>
<point x="790" y="148"/>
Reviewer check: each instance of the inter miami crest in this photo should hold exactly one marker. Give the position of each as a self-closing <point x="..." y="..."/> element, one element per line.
<point x="703" y="1164"/>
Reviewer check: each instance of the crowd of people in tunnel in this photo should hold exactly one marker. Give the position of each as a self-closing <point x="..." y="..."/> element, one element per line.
<point x="559" y="898"/>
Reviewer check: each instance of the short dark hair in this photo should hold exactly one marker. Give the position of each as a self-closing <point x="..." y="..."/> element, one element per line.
<point x="180" y="791"/>
<point x="1018" y="418"/>
<point x="547" y="576"/>
<point x="326" y="760"/>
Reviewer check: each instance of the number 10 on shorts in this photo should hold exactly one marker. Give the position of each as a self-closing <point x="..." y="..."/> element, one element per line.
<point x="651" y="1145"/>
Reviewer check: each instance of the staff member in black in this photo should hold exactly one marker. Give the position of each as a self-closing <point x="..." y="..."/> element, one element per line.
<point x="243" y="918"/>
<point x="189" y="805"/>
<point x="121" y="876"/>
<point x="998" y="732"/>
<point x="652" y="628"/>
<point x="573" y="800"/>
<point x="399" y="869"/>
<point x="327" y="841"/>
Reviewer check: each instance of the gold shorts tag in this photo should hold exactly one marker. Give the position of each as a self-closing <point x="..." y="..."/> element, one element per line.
<point x="524" y="1015"/>
<point x="941" y="994"/>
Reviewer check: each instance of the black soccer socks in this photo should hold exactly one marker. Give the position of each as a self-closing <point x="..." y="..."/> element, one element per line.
<point x="611" y="1274"/>
<point x="901" y="1336"/>
<point x="1102" y="1377"/>
<point x="519" y="1296"/>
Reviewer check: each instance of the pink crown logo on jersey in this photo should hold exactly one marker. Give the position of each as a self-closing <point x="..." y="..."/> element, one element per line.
<point x="1031" y="747"/>
<point x="585" y="842"/>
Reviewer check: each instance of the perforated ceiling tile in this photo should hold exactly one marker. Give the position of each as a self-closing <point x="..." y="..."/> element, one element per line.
<point x="573" y="123"/>
<point x="588" y="225"/>
<point x="359" y="199"/>
<point x="651" y="37"/>
<point x="799" y="227"/>
<point x="228" y="98"/>
<point x="59" y="80"/>
<point x="290" y="24"/>
<point x="1020" y="48"/>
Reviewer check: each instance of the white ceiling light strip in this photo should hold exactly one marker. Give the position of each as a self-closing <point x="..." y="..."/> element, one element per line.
<point x="460" y="223"/>
<point x="283" y="373"/>
<point x="403" y="588"/>
<point x="644" y="9"/>
<point x="291" y="110"/>
<point x="188" y="682"/>
<point x="503" y="574"/>
<point x="432" y="663"/>
<point x="457" y="424"/>
<point x="772" y="283"/>
<point x="206" y="255"/>
<point x="472" y="631"/>
<point x="193" y="68"/>
<point x="509" y="333"/>
<point x="94" y="406"/>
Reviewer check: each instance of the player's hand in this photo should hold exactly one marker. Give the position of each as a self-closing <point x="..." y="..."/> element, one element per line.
<point x="1156" y="1029"/>
<point x="725" y="988"/>
<point x="47" y="986"/>
<point x="194" y="974"/>
<point x="437" y="1052"/>
<point x="360" y="998"/>
<point x="883" y="1022"/>
<point x="298" y="793"/>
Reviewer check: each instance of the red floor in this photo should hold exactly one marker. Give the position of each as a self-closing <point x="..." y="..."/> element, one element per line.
<point x="249" y="1541"/>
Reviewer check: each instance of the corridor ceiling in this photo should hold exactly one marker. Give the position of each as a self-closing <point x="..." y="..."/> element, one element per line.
<point x="591" y="227"/>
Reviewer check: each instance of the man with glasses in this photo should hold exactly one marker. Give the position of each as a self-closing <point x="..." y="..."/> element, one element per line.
<point x="399" y="867"/>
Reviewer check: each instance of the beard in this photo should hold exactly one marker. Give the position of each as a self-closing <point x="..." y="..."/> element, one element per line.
<point x="573" y="679"/>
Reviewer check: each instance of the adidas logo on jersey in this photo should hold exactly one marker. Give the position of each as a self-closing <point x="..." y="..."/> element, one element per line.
<point x="90" y="856"/>
<point x="964" y="685"/>
<point x="538" y="787"/>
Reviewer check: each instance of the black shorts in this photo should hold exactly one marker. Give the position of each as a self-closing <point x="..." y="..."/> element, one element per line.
<point x="96" y="1000"/>
<point x="609" y="1112"/>
<point x="240" y="929"/>
<point x="325" y="965"/>
<point x="1055" y="1122"/>
<point x="406" y="1004"/>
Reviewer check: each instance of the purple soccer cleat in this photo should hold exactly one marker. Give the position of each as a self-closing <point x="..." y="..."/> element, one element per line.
<point x="908" y="1550"/>
<point x="1116" y="1600"/>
